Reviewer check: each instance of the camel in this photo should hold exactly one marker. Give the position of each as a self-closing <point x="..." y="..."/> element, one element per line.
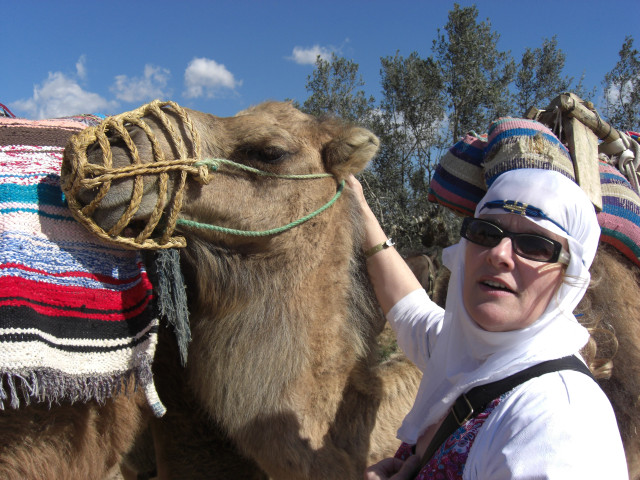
<point x="213" y="259"/>
<point x="217" y="256"/>
<point x="425" y="268"/>
<point x="282" y="378"/>
<point x="613" y="297"/>
<point x="286" y="389"/>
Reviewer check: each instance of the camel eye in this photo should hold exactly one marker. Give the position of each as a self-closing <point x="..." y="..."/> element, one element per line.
<point x="263" y="154"/>
<point x="272" y="155"/>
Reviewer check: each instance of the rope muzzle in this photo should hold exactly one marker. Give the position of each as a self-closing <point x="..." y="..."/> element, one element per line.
<point x="78" y="175"/>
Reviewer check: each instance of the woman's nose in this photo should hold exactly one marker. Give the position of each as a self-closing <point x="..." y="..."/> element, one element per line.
<point x="502" y="254"/>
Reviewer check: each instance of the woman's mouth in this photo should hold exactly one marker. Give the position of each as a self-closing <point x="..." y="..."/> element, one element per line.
<point x="496" y="286"/>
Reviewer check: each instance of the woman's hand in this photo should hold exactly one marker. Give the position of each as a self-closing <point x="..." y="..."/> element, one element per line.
<point x="392" y="279"/>
<point x="393" y="469"/>
<point x="353" y="183"/>
<point x="373" y="233"/>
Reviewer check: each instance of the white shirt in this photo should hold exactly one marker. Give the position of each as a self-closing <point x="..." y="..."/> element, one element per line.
<point x="557" y="426"/>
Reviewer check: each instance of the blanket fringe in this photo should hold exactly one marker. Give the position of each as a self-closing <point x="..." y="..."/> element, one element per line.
<point x="46" y="386"/>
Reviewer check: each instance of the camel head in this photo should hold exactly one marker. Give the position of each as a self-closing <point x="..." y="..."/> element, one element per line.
<point x="132" y="177"/>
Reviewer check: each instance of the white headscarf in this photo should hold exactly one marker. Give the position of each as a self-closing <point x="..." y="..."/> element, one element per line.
<point x="466" y="355"/>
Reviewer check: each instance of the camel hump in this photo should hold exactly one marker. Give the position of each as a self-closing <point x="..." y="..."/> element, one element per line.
<point x="350" y="151"/>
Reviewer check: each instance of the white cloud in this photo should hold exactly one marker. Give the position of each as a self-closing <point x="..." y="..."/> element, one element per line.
<point x="205" y="77"/>
<point x="308" y="56"/>
<point x="151" y="85"/>
<point x="81" y="69"/>
<point x="60" y="96"/>
<point x="618" y="94"/>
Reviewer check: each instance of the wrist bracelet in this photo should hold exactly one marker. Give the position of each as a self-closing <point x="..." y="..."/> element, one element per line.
<point x="381" y="246"/>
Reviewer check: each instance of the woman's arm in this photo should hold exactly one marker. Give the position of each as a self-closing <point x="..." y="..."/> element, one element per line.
<point x="391" y="277"/>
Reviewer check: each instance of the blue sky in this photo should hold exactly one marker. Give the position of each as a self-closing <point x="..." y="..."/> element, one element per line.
<point x="66" y="57"/>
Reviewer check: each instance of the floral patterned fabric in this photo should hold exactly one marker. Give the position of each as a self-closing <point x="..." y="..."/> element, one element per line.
<point x="450" y="459"/>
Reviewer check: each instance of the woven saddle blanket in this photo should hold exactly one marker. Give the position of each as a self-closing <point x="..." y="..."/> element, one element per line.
<point x="77" y="317"/>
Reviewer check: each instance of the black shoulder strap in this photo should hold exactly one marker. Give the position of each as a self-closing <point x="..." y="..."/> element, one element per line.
<point x="476" y="400"/>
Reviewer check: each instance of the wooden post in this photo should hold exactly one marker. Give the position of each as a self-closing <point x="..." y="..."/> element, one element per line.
<point x="583" y="145"/>
<point x="581" y="128"/>
<point x="570" y="105"/>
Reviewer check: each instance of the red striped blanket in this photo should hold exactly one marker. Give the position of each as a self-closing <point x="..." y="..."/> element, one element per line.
<point x="77" y="317"/>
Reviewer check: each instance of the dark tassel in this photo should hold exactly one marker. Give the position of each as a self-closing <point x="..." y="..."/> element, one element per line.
<point x="172" y="297"/>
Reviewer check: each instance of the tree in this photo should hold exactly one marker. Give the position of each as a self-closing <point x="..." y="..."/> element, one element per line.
<point x="539" y="77"/>
<point x="476" y="74"/>
<point x="336" y="89"/>
<point x="412" y="107"/>
<point x="408" y="123"/>
<point x="622" y="89"/>
<point x="581" y="90"/>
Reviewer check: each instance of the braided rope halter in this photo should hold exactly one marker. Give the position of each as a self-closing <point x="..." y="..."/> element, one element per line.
<point x="79" y="175"/>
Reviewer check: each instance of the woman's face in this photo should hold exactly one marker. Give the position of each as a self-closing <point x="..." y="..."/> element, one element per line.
<point x="503" y="291"/>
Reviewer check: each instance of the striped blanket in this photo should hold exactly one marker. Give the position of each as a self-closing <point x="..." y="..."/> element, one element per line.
<point x="77" y="317"/>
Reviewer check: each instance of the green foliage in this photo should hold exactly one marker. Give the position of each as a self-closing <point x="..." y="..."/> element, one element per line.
<point x="476" y="74"/>
<point x="582" y="91"/>
<point x="539" y="77"/>
<point x="337" y="90"/>
<point x="428" y="103"/>
<point x="408" y="123"/>
<point x="622" y="89"/>
<point x="411" y="112"/>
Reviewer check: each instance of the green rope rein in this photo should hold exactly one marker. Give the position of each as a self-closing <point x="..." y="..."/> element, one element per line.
<point x="214" y="163"/>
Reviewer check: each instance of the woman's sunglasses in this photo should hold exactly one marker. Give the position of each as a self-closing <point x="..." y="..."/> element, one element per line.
<point x="527" y="245"/>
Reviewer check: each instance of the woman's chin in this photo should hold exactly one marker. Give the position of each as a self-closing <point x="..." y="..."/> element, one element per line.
<point x="496" y="318"/>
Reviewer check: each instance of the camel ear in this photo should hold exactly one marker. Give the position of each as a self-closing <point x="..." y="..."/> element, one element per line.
<point x="350" y="151"/>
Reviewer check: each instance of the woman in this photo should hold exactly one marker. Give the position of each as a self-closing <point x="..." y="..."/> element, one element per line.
<point x="516" y="276"/>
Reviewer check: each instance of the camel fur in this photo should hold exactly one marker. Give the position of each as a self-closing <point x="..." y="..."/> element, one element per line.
<point x="282" y="358"/>
<point x="425" y="268"/>
<point x="611" y="309"/>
